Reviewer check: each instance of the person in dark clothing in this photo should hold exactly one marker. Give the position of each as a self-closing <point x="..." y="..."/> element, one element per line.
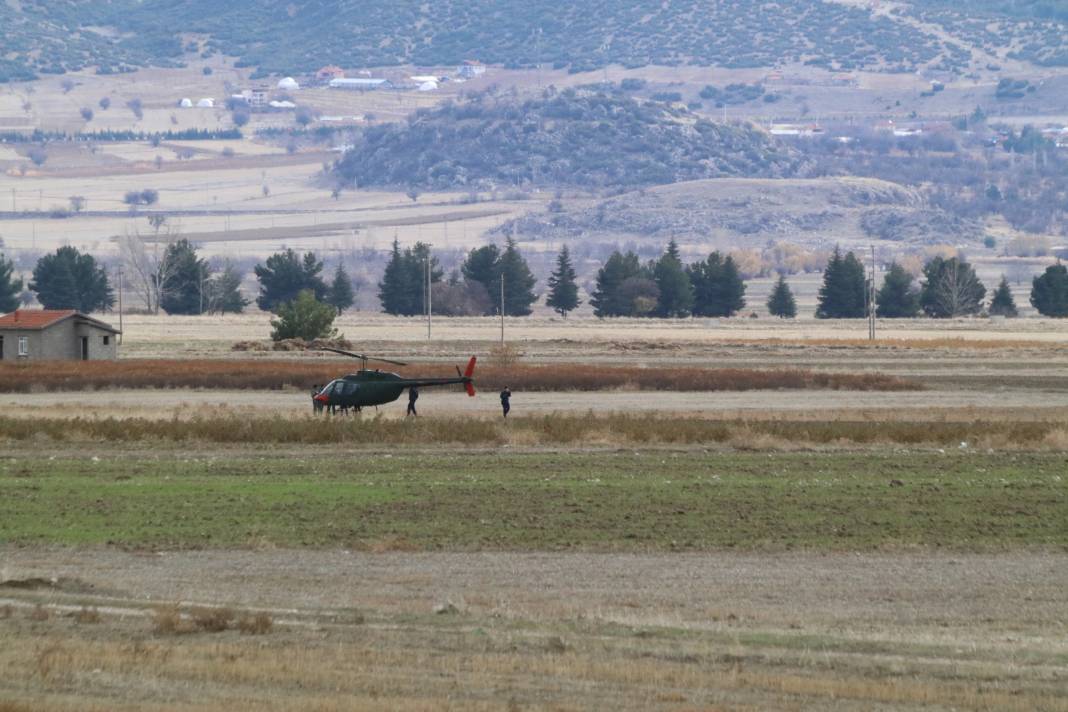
<point x="413" y="396"/>
<point x="506" y="397"/>
<point x="317" y="407"/>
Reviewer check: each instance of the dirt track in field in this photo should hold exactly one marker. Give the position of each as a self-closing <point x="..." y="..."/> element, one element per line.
<point x="899" y="591"/>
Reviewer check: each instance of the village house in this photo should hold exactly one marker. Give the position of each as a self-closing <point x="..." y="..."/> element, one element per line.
<point x="55" y="334"/>
<point x="470" y="69"/>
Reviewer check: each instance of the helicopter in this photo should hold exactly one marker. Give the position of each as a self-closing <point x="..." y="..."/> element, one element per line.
<point x="367" y="387"/>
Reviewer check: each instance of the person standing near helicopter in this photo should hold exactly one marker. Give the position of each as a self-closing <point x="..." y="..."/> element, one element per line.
<point x="506" y="397"/>
<point x="413" y="396"/>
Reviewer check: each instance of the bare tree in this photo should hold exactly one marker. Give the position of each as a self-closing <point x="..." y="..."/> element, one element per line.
<point x="77" y="203"/>
<point x="957" y="292"/>
<point x="146" y="258"/>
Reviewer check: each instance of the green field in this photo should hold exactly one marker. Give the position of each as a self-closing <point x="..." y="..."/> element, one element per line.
<point x="601" y="501"/>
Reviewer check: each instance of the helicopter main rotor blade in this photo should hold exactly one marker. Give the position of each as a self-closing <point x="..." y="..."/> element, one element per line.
<point x="362" y="357"/>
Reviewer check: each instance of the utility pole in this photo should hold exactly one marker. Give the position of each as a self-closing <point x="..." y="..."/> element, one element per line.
<point x="871" y="298"/>
<point x="429" y="306"/>
<point x="120" y="306"/>
<point x="502" y="308"/>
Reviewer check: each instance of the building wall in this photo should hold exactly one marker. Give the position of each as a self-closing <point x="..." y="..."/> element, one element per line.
<point x="61" y="341"/>
<point x="98" y="350"/>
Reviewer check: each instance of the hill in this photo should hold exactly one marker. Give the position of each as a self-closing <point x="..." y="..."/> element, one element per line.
<point x="298" y="36"/>
<point x="814" y="213"/>
<point x="572" y="138"/>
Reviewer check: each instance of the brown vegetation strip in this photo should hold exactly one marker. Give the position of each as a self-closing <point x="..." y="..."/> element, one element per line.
<point x="547" y="430"/>
<point x="275" y="375"/>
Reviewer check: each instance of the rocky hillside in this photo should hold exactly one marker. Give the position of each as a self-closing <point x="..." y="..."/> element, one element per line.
<point x="731" y="212"/>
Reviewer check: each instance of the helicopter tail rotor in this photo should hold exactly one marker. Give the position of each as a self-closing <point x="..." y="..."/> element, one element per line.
<point x="468" y="374"/>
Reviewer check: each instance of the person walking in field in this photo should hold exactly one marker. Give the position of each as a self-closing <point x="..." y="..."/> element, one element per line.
<point x="413" y="396"/>
<point x="506" y="397"/>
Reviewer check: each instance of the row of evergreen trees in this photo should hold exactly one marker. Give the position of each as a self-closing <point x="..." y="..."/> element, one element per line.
<point x="476" y="288"/>
<point x="69" y="279"/>
<point x="664" y="287"/>
<point x="949" y="288"/>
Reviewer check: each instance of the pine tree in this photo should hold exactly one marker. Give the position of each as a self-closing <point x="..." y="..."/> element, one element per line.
<point x="718" y="287"/>
<point x="183" y="292"/>
<point x="284" y="275"/>
<point x="223" y="292"/>
<point x="897" y="298"/>
<point x="951" y="289"/>
<point x="415" y="260"/>
<point x="1049" y="292"/>
<point x="781" y="301"/>
<point x="480" y="269"/>
<point x="340" y="295"/>
<point x="607" y="300"/>
<point x="563" y="292"/>
<point x="68" y="279"/>
<point x="676" y="293"/>
<point x="9" y="286"/>
<point x="518" y="281"/>
<point x="396" y="291"/>
<point x="843" y="294"/>
<point x="1002" y="303"/>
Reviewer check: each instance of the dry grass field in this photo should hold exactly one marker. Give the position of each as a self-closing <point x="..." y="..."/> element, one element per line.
<point x="202" y="548"/>
<point x="735" y="514"/>
<point x="896" y="631"/>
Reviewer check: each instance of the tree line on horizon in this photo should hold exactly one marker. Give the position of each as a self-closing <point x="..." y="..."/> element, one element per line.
<point x="664" y="287"/>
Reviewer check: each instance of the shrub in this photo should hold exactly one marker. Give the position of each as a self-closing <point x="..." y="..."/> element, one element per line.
<point x="304" y="318"/>
<point x="212" y="620"/>
<point x="167" y="620"/>
<point x="38" y="155"/>
<point x="87" y="615"/>
<point x="255" y="624"/>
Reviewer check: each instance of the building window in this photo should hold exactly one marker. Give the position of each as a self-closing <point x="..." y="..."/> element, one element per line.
<point x="107" y="340"/>
<point x="24" y="346"/>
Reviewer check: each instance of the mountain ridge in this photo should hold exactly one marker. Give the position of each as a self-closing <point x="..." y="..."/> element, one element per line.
<point x="292" y="37"/>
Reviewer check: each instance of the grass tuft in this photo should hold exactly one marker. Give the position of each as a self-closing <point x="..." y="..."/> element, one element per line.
<point x="167" y="620"/>
<point x="255" y="624"/>
<point x="212" y="620"/>
<point x="87" y="615"/>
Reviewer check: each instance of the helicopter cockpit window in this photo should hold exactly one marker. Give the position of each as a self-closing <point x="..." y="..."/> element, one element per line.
<point x="349" y="389"/>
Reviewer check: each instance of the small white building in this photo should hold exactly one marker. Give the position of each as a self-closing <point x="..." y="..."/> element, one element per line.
<point x="428" y="86"/>
<point x="186" y="103"/>
<point x="206" y="103"/>
<point x="288" y="84"/>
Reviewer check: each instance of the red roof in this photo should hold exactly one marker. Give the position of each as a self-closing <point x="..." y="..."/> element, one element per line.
<point x="34" y="318"/>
